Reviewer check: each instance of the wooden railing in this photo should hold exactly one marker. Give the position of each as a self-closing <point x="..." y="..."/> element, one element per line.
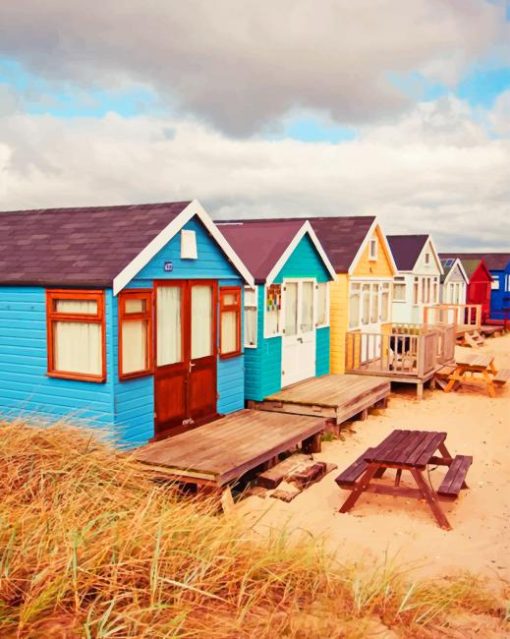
<point x="462" y="316"/>
<point x="415" y="352"/>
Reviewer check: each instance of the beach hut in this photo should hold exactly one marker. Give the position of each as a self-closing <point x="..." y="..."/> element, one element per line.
<point x="499" y="268"/>
<point x="417" y="283"/>
<point x="287" y="335"/>
<point x="360" y="298"/>
<point x="480" y="280"/>
<point x="127" y="317"/>
<point x="454" y="281"/>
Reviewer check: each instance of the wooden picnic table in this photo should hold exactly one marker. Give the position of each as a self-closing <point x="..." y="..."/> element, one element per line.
<point x="413" y="451"/>
<point x="474" y="368"/>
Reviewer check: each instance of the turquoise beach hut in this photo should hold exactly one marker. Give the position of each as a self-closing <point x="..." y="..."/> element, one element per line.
<point x="126" y="317"/>
<point x="286" y="311"/>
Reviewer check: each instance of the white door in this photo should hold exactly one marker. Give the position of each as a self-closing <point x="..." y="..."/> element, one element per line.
<point x="298" y="342"/>
<point x="370" y="322"/>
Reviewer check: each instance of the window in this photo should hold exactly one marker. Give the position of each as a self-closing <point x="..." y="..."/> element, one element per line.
<point x="427" y="258"/>
<point x="495" y="283"/>
<point x="135" y="334"/>
<point x="416" y="290"/>
<point x="76" y="335"/>
<point x="272" y="310"/>
<point x="230" y="322"/>
<point x="385" y="302"/>
<point x="307" y="303"/>
<point x="435" y="291"/>
<point x="169" y="325"/>
<point x="354" y="306"/>
<point x="374" y="304"/>
<point x="322" y="305"/>
<point x="250" y="317"/>
<point x="365" y="297"/>
<point x="399" y="289"/>
<point x="291" y="308"/>
<point x="372" y="252"/>
<point x="188" y="245"/>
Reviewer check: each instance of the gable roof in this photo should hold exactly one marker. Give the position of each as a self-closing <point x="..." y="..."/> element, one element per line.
<point x="265" y="245"/>
<point x="493" y="261"/>
<point x="449" y="264"/>
<point x="100" y="246"/>
<point x="406" y="249"/>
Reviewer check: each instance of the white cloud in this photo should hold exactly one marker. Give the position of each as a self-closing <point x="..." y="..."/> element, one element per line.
<point x="455" y="184"/>
<point x="242" y="65"/>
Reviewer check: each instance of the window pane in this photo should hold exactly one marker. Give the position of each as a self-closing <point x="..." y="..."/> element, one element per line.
<point x="365" y="318"/>
<point x="415" y="292"/>
<point x="385" y="302"/>
<point x="374" y="304"/>
<point x="229" y="332"/>
<point x="201" y="321"/>
<point x="85" y="307"/>
<point x="169" y="325"/>
<point x="399" y="292"/>
<point x="250" y="297"/>
<point x="229" y="298"/>
<point x="134" y="346"/>
<point x="291" y="308"/>
<point x="273" y="307"/>
<point x="354" y="311"/>
<point x="250" y="326"/>
<point x="307" y="307"/>
<point x="322" y="310"/>
<point x="135" y="305"/>
<point x="77" y="347"/>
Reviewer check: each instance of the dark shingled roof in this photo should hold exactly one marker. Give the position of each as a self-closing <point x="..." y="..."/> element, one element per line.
<point x="493" y="261"/>
<point x="406" y="249"/>
<point x="86" y="246"/>
<point x="340" y="237"/>
<point x="260" y="243"/>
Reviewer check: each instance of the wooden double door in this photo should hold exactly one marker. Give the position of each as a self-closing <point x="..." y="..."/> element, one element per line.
<point x="185" y="392"/>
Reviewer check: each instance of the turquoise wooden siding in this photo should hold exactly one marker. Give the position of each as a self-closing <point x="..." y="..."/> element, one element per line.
<point x="304" y="262"/>
<point x="134" y="399"/>
<point x="25" y="388"/>
<point x="322" y="351"/>
<point x="263" y="365"/>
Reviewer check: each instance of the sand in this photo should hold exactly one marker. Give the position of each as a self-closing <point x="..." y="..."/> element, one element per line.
<point x="404" y="530"/>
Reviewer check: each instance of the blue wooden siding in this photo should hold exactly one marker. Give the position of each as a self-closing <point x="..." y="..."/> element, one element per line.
<point x="322" y="351"/>
<point x="134" y="399"/>
<point x="263" y="365"/>
<point x="304" y="262"/>
<point x="25" y="388"/>
<point x="500" y="297"/>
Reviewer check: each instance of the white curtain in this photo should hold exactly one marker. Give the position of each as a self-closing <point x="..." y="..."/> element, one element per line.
<point x="354" y="310"/>
<point x="385" y="302"/>
<point x="374" y="304"/>
<point x="169" y="327"/>
<point x="134" y="346"/>
<point x="291" y="308"/>
<point x="250" y="326"/>
<point x="365" y="318"/>
<point x="135" y="305"/>
<point x="201" y="321"/>
<point x="307" y="307"/>
<point x="77" y="346"/>
<point x="82" y="307"/>
<point x="229" y="332"/>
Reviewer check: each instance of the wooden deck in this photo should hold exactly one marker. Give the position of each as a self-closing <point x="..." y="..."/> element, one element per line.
<point x="224" y="450"/>
<point x="338" y="397"/>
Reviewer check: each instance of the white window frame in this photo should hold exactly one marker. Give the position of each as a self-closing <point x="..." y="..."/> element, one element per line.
<point x="372" y="250"/>
<point x="251" y="306"/>
<point x="399" y="280"/>
<point x="316" y="305"/>
<point x="281" y="314"/>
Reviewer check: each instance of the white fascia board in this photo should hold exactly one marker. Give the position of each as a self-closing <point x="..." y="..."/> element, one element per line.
<point x="305" y="229"/>
<point x="160" y="241"/>
<point x="364" y="244"/>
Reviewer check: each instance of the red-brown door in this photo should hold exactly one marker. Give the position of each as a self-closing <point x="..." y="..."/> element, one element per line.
<point x="186" y="354"/>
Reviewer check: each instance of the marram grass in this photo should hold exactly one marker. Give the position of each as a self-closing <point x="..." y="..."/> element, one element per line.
<point x="90" y="547"/>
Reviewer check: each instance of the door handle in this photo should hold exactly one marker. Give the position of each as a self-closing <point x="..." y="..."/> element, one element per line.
<point x="300" y="340"/>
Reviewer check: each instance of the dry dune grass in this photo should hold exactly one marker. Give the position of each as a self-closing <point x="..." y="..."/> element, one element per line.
<point x="89" y="547"/>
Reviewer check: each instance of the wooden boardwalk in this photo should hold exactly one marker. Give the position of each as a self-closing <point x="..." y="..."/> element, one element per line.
<point x="338" y="397"/>
<point x="224" y="450"/>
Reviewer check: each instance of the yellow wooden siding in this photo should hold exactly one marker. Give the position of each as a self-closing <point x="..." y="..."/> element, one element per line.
<point x="381" y="267"/>
<point x="339" y="321"/>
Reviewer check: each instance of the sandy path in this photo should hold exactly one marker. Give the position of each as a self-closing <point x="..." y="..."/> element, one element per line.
<point x="404" y="529"/>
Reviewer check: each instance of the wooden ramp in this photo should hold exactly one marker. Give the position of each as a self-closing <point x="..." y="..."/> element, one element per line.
<point x="224" y="450"/>
<point x="338" y="397"/>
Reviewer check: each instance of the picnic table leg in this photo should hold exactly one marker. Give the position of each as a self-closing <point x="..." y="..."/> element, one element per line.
<point x="455" y="377"/>
<point x="490" y="385"/>
<point x="360" y="486"/>
<point x="398" y="476"/>
<point x="431" y="498"/>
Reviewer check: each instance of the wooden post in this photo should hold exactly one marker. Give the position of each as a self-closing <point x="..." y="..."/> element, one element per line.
<point x="312" y="444"/>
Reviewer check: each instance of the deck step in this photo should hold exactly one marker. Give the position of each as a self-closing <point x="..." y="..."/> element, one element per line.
<point x="502" y="377"/>
<point x="454" y="478"/>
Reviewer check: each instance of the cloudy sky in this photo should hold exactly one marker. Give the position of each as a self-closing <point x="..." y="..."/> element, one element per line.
<point x="399" y="108"/>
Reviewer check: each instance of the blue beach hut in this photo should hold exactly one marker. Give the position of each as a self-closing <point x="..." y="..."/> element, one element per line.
<point x="127" y="317"/>
<point x="286" y="311"/>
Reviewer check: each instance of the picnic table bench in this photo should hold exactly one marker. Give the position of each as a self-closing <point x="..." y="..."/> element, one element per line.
<point x="410" y="450"/>
<point x="476" y="368"/>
